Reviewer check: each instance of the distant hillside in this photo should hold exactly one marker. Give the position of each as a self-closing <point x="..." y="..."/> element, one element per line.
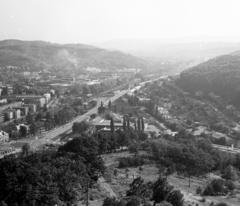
<point x="39" y="54"/>
<point x="220" y="75"/>
<point x="175" y="49"/>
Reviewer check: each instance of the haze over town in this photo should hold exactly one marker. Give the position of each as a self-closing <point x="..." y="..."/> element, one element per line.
<point x="119" y="103"/>
<point x="81" y="21"/>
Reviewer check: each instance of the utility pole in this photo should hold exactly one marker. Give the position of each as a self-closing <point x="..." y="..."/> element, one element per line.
<point x="87" y="203"/>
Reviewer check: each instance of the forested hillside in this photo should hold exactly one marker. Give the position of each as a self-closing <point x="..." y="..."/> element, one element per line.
<point x="39" y="54"/>
<point x="220" y="75"/>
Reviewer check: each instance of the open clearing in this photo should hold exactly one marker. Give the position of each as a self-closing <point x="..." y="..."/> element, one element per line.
<point x="120" y="183"/>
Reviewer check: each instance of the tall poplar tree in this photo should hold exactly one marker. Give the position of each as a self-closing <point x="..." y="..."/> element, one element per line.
<point x="139" y="124"/>
<point x="109" y="104"/>
<point x="112" y="126"/>
<point x="143" y="127"/>
<point x="124" y="124"/>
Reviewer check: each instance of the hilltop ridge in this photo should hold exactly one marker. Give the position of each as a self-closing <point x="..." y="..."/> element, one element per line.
<point x="40" y="54"/>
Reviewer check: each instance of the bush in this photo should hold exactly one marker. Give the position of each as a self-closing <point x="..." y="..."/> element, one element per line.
<point x="93" y="116"/>
<point x="131" y="162"/>
<point x="215" y="187"/>
<point x="203" y="199"/>
<point x="176" y="198"/>
<point x="199" y="190"/>
<point x="123" y="162"/>
<point x="230" y="173"/>
<point x="208" y="191"/>
<point x="221" y="204"/>
<point x="230" y="185"/>
<point x="108" y="176"/>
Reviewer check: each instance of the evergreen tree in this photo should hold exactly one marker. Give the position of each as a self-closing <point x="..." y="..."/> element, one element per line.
<point x="139" y="124"/>
<point x="109" y="104"/>
<point x="156" y="112"/>
<point x="112" y="126"/>
<point x="132" y="101"/>
<point x="33" y="128"/>
<point x="124" y="124"/>
<point x="26" y="148"/>
<point x="143" y="127"/>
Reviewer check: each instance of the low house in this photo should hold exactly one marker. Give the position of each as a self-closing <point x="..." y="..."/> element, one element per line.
<point x="23" y="110"/>
<point x="106" y="125"/>
<point x="31" y="107"/>
<point x="4" y="137"/>
<point x="17" y="113"/>
<point x="23" y="125"/>
<point x="8" y="115"/>
<point x="47" y="97"/>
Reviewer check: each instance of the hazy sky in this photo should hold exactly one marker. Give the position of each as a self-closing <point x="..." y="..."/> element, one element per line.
<point x="82" y="21"/>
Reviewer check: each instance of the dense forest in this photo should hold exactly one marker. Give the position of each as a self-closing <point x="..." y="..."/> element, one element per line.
<point x="51" y="177"/>
<point x="219" y="75"/>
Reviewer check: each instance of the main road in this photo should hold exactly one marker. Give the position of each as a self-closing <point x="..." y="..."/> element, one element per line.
<point x="44" y="138"/>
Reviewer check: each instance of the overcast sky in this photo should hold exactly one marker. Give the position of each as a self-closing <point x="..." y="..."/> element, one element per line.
<point x="83" y="21"/>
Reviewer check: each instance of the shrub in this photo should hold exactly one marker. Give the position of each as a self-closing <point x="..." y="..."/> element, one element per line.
<point x="108" y="176"/>
<point x="164" y="203"/>
<point x="209" y="190"/>
<point x="115" y="172"/>
<point x="199" y="190"/>
<point x="131" y="162"/>
<point x="218" y="185"/>
<point x="123" y="163"/>
<point x="230" y="185"/>
<point x="176" y="198"/>
<point x="203" y="199"/>
<point x="230" y="173"/>
<point x="221" y="204"/>
<point x="215" y="187"/>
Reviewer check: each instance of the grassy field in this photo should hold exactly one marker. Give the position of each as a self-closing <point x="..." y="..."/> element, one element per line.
<point x="120" y="183"/>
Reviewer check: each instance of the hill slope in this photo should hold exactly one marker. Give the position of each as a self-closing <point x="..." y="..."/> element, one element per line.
<point x="39" y="54"/>
<point x="176" y="49"/>
<point x="220" y="75"/>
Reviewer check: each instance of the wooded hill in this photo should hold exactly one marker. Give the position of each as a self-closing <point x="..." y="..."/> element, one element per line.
<point x="40" y="54"/>
<point x="220" y="75"/>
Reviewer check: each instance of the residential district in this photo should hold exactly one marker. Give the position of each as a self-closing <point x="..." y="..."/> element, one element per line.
<point x="42" y="111"/>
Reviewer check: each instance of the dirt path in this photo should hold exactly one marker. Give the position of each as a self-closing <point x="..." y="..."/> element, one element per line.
<point x="107" y="187"/>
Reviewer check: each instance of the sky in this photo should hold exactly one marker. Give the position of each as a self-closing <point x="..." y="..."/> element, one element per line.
<point x="85" y="21"/>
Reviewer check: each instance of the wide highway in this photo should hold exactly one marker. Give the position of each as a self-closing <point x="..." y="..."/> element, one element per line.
<point x="44" y="138"/>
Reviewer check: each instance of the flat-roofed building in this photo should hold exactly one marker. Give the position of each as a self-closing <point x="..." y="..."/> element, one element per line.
<point x="16" y="113"/>
<point x="40" y="102"/>
<point x="47" y="96"/>
<point x="12" y="113"/>
<point x="107" y="125"/>
<point x="4" y="137"/>
<point x="8" y="115"/>
<point x="31" y="107"/>
<point x="23" y="110"/>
